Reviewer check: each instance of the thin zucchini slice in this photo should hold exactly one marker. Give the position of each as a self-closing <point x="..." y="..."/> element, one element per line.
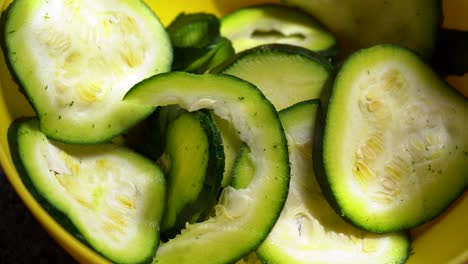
<point x="271" y="23"/>
<point x="309" y="230"/>
<point x="392" y="150"/>
<point x="194" y="163"/>
<point x="359" y="24"/>
<point x="106" y="195"/>
<point x="285" y="74"/>
<point x="244" y="217"/>
<point x="76" y="59"/>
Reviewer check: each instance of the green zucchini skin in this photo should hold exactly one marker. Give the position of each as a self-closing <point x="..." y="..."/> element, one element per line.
<point x="201" y="60"/>
<point x="25" y="130"/>
<point x="266" y="66"/>
<point x="236" y="228"/>
<point x="273" y="23"/>
<point x="361" y="24"/>
<point x="195" y="205"/>
<point x="53" y="211"/>
<point x="72" y="115"/>
<point x="436" y="198"/>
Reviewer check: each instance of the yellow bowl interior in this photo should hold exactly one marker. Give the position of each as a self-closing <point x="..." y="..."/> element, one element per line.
<point x="444" y="240"/>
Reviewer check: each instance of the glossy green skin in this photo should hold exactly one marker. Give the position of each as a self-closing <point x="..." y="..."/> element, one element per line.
<point x="193" y="184"/>
<point x="291" y="242"/>
<point x="360" y="24"/>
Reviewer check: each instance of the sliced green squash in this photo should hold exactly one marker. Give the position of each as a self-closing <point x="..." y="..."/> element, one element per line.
<point x="363" y="23"/>
<point x="309" y="230"/>
<point x="253" y="26"/>
<point x="243" y="218"/>
<point x="109" y="197"/>
<point x="392" y="151"/>
<point x="76" y="59"/>
<point x="194" y="162"/>
<point x="194" y="30"/>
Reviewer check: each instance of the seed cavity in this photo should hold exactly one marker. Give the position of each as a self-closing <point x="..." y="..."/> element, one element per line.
<point x="92" y="52"/>
<point x="391" y="154"/>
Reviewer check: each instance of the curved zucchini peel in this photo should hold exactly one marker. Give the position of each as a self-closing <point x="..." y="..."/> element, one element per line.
<point x="243" y="217"/>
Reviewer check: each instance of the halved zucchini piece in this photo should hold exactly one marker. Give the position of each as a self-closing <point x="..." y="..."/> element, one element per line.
<point x="194" y="164"/>
<point x="231" y="144"/>
<point x="106" y="195"/>
<point x="359" y="24"/>
<point x="76" y="59"/>
<point x="271" y="23"/>
<point x="392" y="150"/>
<point x="285" y="74"/>
<point x="244" y="217"/>
<point x="309" y="230"/>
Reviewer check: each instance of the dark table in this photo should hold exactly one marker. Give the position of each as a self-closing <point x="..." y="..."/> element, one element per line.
<point x="22" y="238"/>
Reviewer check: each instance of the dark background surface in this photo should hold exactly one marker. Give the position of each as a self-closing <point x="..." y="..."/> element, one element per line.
<point x="22" y="238"/>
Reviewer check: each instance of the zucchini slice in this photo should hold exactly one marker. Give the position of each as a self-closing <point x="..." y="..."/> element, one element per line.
<point x="285" y="74"/>
<point x="271" y="23"/>
<point x="392" y="151"/>
<point x="194" y="182"/>
<point x="309" y="230"/>
<point x="76" y="59"/>
<point x="196" y="30"/>
<point x="200" y="60"/>
<point x="106" y="195"/>
<point x="244" y="217"/>
<point x="359" y="24"/>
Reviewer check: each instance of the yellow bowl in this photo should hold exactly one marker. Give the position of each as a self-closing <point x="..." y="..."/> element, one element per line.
<point x="444" y="240"/>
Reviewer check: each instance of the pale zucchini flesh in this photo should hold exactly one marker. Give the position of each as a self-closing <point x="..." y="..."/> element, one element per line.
<point x="244" y="217"/>
<point x="76" y="59"/>
<point x="194" y="162"/>
<point x="394" y="141"/>
<point x="113" y="198"/>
